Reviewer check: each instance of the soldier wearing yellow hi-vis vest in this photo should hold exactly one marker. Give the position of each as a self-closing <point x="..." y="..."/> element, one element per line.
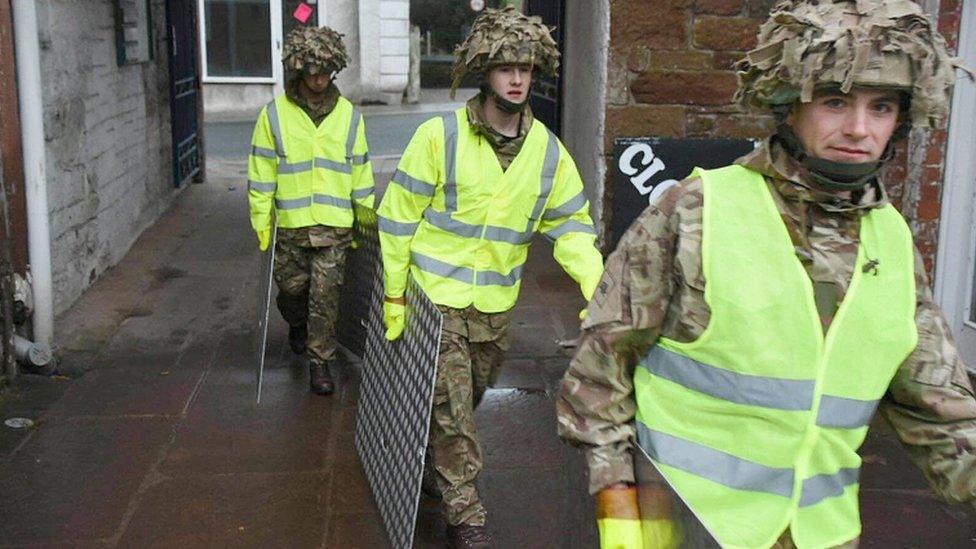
<point x="755" y="317"/>
<point x="471" y="190"/>
<point x="309" y="162"/>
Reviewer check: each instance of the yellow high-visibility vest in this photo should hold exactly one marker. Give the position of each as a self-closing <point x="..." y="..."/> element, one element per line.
<point x="756" y="424"/>
<point x="462" y="225"/>
<point x="307" y="174"/>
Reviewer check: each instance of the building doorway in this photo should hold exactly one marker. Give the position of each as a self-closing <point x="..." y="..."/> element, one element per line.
<point x="955" y="276"/>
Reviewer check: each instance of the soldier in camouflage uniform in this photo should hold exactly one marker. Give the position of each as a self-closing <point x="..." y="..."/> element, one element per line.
<point x="811" y="55"/>
<point x="310" y="250"/>
<point x="533" y="187"/>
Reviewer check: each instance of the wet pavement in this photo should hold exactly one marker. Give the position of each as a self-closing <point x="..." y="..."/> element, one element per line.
<point x="150" y="436"/>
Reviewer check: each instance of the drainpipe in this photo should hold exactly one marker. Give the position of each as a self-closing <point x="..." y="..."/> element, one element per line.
<point x="32" y="136"/>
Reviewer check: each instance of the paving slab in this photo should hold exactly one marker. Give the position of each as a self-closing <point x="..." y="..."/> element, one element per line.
<point x="75" y="478"/>
<point x="145" y="390"/>
<point x="236" y="510"/>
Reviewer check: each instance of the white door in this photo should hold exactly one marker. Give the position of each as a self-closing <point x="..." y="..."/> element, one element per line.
<point x="955" y="279"/>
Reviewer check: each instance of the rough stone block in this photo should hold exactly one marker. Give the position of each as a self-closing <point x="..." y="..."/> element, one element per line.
<point x="644" y="120"/>
<point x="684" y="88"/>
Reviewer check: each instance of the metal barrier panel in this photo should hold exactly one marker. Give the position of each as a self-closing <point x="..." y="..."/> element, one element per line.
<point x="264" y="309"/>
<point x="396" y="394"/>
<point x="667" y="523"/>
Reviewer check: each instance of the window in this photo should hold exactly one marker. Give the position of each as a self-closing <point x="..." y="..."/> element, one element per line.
<point x="237" y="38"/>
<point x="133" y="33"/>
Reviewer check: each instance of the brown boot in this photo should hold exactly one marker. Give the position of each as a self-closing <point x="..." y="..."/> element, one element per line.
<point x="468" y="536"/>
<point x="319" y="378"/>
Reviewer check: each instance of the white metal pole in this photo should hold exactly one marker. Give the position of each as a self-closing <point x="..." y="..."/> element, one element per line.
<point x="32" y="137"/>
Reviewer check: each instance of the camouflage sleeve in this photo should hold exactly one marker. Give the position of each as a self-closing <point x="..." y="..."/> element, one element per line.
<point x="595" y="403"/>
<point x="930" y="403"/>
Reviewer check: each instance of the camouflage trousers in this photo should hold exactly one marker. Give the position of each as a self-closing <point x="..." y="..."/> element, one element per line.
<point x="308" y="268"/>
<point x="472" y="347"/>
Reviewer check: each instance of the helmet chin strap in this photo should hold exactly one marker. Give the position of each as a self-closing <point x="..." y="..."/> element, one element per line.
<point x="830" y="174"/>
<point x="503" y="104"/>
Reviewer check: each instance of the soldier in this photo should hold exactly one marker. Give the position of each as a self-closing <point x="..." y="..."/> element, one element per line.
<point x="470" y="191"/>
<point x="752" y="320"/>
<point x="308" y="163"/>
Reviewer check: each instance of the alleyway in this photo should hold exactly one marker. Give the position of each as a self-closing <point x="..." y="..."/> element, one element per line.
<point x="150" y="437"/>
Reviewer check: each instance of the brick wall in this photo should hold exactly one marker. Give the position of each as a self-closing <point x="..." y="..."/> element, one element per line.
<point x="107" y="130"/>
<point x="670" y="75"/>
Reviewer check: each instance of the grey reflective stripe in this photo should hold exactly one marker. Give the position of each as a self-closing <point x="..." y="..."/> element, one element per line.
<point x="359" y="159"/>
<point x="362" y="193"/>
<point x="714" y="465"/>
<point x="440" y="268"/>
<point x="333" y="201"/>
<point x="845" y="413"/>
<point x="293" y="203"/>
<point x="492" y="278"/>
<point x="397" y="228"/>
<point x="276" y="127"/>
<point x="262" y="152"/>
<point x="464" y="274"/>
<point x="450" y="158"/>
<point x="767" y="392"/>
<point x="353" y="130"/>
<point x="285" y="168"/>
<point x="412" y="184"/>
<point x="332" y="165"/>
<point x="570" y="226"/>
<point x="261" y="187"/>
<point x="444" y="222"/>
<point x="818" y="488"/>
<point x="547" y="175"/>
<point x="568" y="208"/>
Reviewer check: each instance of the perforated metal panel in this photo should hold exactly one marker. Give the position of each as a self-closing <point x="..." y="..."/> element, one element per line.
<point x="263" y="310"/>
<point x="396" y="396"/>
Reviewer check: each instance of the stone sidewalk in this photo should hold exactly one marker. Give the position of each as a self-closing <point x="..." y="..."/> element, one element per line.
<point x="151" y="438"/>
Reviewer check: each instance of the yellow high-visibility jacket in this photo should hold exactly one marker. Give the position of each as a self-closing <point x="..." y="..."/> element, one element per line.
<point x="756" y="424"/>
<point x="308" y="174"/>
<point x="462" y="226"/>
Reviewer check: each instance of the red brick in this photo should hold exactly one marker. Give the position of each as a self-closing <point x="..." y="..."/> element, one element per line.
<point x="644" y="120"/>
<point x="684" y="88"/>
<point x="725" y="60"/>
<point x="930" y="193"/>
<point x="928" y="211"/>
<point x="931" y="175"/>
<point x="745" y="126"/>
<point x="934" y="154"/>
<point x="759" y="8"/>
<point x="726" y="33"/>
<point x="719" y="7"/>
<point x="700" y="125"/>
<point x="664" y="26"/>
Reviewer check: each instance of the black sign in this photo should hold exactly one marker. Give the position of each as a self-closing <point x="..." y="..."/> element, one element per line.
<point x="644" y="167"/>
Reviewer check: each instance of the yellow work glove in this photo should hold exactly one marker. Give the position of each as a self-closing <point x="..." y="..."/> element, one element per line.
<point x="618" y="518"/>
<point x="264" y="239"/>
<point x="393" y="319"/>
<point x="588" y="287"/>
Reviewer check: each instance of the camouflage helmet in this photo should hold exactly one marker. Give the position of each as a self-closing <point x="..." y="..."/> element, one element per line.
<point x="312" y="50"/>
<point x="806" y="44"/>
<point x="505" y="37"/>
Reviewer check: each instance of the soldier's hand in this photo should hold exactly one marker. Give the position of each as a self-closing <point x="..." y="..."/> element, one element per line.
<point x="394" y="309"/>
<point x="264" y="239"/>
<point x="618" y="518"/>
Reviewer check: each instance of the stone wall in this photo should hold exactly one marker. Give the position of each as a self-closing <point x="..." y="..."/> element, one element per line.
<point x="107" y="129"/>
<point x="670" y="75"/>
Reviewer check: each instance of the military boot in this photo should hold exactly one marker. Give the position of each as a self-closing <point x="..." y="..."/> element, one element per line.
<point x="319" y="378"/>
<point x="297" y="338"/>
<point x="468" y="536"/>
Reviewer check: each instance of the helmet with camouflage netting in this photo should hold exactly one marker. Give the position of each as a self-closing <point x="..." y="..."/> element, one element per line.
<point x="505" y="37"/>
<point x="808" y="44"/>
<point x="314" y="50"/>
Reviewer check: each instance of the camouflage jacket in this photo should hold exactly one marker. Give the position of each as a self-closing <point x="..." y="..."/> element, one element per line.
<point x="653" y="286"/>
<point x="506" y="148"/>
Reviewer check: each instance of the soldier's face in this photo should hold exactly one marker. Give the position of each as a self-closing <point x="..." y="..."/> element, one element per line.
<point x="847" y="127"/>
<point x="511" y="81"/>
<point x="317" y="83"/>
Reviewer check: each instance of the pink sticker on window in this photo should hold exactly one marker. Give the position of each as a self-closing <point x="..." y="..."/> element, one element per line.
<point x="302" y="12"/>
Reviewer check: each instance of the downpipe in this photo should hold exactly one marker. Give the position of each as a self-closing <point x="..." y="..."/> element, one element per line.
<point x="36" y="357"/>
<point x="29" y="93"/>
